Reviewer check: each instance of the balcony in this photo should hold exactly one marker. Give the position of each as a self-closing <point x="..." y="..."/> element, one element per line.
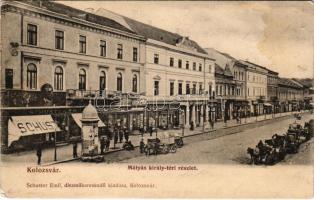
<point x="22" y="98"/>
<point x="104" y="97"/>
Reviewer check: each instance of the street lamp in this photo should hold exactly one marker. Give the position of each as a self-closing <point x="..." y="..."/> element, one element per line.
<point x="182" y="119"/>
<point x="55" y="141"/>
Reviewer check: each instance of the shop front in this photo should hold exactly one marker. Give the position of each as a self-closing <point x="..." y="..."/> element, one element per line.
<point x="28" y="131"/>
<point x="268" y="108"/>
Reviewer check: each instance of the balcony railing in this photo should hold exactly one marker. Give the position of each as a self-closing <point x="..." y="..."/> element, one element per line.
<point x="90" y="94"/>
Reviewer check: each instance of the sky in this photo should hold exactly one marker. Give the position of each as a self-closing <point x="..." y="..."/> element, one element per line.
<point x="277" y="35"/>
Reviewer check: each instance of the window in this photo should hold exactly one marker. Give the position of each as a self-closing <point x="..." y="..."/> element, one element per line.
<point x="156" y="58"/>
<point x="119" y="82"/>
<point x="59" y="40"/>
<point x="171" y="88"/>
<point x="200" y="67"/>
<point x="82" y="42"/>
<point x="187" y="65"/>
<point x="31" y="76"/>
<point x="187" y="88"/>
<point x="103" y="48"/>
<point x="180" y="89"/>
<point x="200" y="89"/>
<point x="8" y="78"/>
<point x="134" y="54"/>
<point x="102" y="81"/>
<point x="179" y="63"/>
<point x="82" y="79"/>
<point x="120" y="51"/>
<point x="58" y="78"/>
<point x="31" y="34"/>
<point x="171" y="62"/>
<point x="194" y="89"/>
<point x="194" y="66"/>
<point x="156" y="88"/>
<point x="134" y="83"/>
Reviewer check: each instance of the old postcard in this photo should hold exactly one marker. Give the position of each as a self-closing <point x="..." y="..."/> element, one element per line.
<point x="157" y="99"/>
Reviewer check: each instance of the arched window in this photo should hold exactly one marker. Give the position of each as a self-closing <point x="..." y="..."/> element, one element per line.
<point x="119" y="82"/>
<point x="102" y="81"/>
<point x="58" y="78"/>
<point x="134" y="83"/>
<point x="82" y="79"/>
<point x="31" y="76"/>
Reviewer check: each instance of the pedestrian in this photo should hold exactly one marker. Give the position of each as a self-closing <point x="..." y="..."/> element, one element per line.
<point x="126" y="135"/>
<point x="74" y="150"/>
<point x="102" y="145"/>
<point x="116" y="136"/>
<point x="142" y="146"/>
<point x="107" y="142"/>
<point x="212" y="123"/>
<point x="39" y="153"/>
<point x="192" y="126"/>
<point x="120" y="135"/>
<point x="150" y="131"/>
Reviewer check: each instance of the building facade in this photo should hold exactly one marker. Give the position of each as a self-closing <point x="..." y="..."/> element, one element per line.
<point x="230" y="85"/>
<point x="289" y="94"/>
<point x="51" y="44"/>
<point x="256" y="86"/>
<point x="176" y="68"/>
<point x="60" y="57"/>
<point x="272" y="92"/>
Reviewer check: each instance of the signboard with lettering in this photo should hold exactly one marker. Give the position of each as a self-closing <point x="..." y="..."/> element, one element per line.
<point x="30" y="125"/>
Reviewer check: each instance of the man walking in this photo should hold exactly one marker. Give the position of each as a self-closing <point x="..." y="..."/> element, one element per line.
<point x="38" y="153"/>
<point x="74" y="150"/>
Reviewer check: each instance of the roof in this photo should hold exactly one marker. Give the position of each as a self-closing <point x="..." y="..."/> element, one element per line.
<point x="218" y="69"/>
<point x="161" y="35"/>
<point x="306" y="82"/>
<point x="228" y="71"/>
<point x="288" y="82"/>
<point x="73" y="12"/>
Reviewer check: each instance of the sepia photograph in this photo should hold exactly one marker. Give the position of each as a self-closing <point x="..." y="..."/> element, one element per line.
<point x="157" y="99"/>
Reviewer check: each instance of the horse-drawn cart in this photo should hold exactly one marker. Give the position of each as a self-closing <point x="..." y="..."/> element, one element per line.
<point x="163" y="144"/>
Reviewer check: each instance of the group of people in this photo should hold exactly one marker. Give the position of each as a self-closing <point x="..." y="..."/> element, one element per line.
<point x="117" y="133"/>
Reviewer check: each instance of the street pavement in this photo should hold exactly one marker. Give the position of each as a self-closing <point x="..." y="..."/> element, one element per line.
<point x="64" y="152"/>
<point x="231" y="149"/>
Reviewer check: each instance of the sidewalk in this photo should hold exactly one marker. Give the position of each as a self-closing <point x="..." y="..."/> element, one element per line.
<point x="64" y="153"/>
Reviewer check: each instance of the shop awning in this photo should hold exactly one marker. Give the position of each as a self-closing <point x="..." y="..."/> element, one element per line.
<point x="267" y="104"/>
<point x="78" y="116"/>
<point x="19" y="126"/>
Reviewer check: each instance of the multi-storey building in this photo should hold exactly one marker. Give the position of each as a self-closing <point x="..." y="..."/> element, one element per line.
<point x="176" y="68"/>
<point x="256" y="86"/>
<point x="46" y="43"/>
<point x="225" y="92"/>
<point x="230" y="84"/>
<point x="272" y="92"/>
<point x="58" y="58"/>
<point x="289" y="94"/>
<point x="53" y="54"/>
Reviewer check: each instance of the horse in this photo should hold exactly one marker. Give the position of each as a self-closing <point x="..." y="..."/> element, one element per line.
<point x="254" y="155"/>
